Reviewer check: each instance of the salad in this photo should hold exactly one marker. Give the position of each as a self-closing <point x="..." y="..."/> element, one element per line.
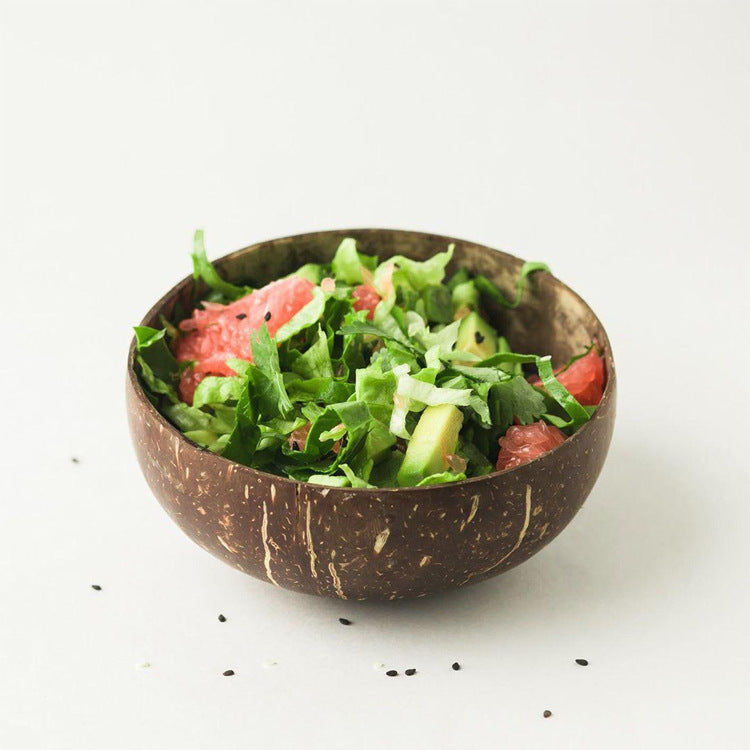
<point x="362" y="373"/>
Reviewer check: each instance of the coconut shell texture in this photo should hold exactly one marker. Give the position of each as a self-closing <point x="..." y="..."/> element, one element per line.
<point x="380" y="543"/>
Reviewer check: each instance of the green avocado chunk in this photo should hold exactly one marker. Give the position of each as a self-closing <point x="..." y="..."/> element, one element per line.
<point x="434" y="438"/>
<point x="476" y="336"/>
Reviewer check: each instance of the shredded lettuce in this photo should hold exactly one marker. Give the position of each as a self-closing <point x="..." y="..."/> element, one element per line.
<point x="420" y="274"/>
<point x="442" y="478"/>
<point x="309" y="315"/>
<point x="431" y="395"/>
<point x="155" y="352"/>
<point x="217" y="390"/>
<point x="347" y="264"/>
<point x="316" y="361"/>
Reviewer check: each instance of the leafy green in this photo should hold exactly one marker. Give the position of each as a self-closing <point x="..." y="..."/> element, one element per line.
<point x="489" y="289"/>
<point x="431" y="395"/>
<point x="578" y="414"/>
<point x="419" y="274"/>
<point x="329" y="480"/>
<point x="203" y="269"/>
<point x="243" y="441"/>
<point x="217" y="390"/>
<point x="392" y="333"/>
<point x="514" y="399"/>
<point x="461" y="276"/>
<point x="155" y="352"/>
<point x="438" y="304"/>
<point x="268" y="384"/>
<point x="374" y="386"/>
<point x="316" y="361"/>
<point x="155" y="386"/>
<point x="324" y="390"/>
<point x="306" y="317"/>
<point x="442" y="478"/>
<point x="347" y="263"/>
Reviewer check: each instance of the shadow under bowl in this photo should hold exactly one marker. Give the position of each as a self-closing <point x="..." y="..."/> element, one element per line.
<point x="380" y="543"/>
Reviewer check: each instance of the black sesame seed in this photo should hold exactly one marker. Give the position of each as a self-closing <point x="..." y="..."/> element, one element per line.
<point x="222" y="618"/>
<point x="228" y="673"/>
<point x="344" y="621"/>
<point x="392" y="673"/>
<point x="240" y="316"/>
<point x="547" y="714"/>
<point x="478" y="337"/>
<point x="74" y="460"/>
<point x="267" y="316"/>
<point x="96" y="587"/>
<point x="455" y="666"/>
<point x="582" y="662"/>
<point x="410" y="672"/>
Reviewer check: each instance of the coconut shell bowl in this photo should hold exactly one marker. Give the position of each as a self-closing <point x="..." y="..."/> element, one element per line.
<point x="381" y="543"/>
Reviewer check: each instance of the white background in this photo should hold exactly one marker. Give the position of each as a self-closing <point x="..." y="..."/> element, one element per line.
<point x="609" y="139"/>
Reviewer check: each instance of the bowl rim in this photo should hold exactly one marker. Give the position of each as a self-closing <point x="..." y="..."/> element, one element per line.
<point x="143" y="400"/>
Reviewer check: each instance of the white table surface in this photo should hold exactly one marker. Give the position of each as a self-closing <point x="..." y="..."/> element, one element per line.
<point x="610" y="140"/>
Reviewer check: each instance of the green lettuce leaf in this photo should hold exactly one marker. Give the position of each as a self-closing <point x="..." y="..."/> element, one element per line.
<point x="329" y="480"/>
<point x="431" y="395"/>
<point x="269" y="392"/>
<point x="438" y="305"/>
<point x="325" y="390"/>
<point x="308" y="316"/>
<point x="420" y="274"/>
<point x="154" y="350"/>
<point x="443" y="478"/>
<point x="316" y="361"/>
<point x="203" y="269"/>
<point x="489" y="289"/>
<point x="347" y="263"/>
<point x="155" y="387"/>
<point x="578" y="414"/>
<point x="514" y="399"/>
<point x="373" y="386"/>
<point x="217" y="390"/>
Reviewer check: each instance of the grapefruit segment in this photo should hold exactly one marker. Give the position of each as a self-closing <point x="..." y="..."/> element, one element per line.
<point x="220" y="332"/>
<point x="366" y="297"/>
<point x="522" y="443"/>
<point x="584" y="379"/>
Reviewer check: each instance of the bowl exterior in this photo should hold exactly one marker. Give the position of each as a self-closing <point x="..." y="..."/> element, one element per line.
<point x="367" y="544"/>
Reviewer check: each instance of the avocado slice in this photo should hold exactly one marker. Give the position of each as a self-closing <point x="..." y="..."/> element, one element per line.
<point x="476" y="336"/>
<point x="435" y="437"/>
<point x="465" y="298"/>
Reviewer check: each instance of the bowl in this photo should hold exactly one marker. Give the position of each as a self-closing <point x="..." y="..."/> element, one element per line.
<point x="380" y="543"/>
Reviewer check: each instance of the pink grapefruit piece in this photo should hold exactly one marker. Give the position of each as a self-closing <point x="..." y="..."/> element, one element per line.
<point x="584" y="379"/>
<point x="220" y="332"/>
<point x="366" y="297"/>
<point x="525" y="442"/>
